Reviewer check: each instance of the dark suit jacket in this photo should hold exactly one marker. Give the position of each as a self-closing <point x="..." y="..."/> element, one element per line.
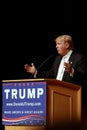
<point x="79" y="63"/>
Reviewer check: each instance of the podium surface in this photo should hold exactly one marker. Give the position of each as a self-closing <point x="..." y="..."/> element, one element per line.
<point x="63" y="103"/>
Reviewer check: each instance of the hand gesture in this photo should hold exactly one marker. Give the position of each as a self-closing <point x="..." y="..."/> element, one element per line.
<point x="68" y="67"/>
<point x="30" y="68"/>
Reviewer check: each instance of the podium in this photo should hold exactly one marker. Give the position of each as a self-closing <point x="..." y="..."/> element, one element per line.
<point x="63" y="103"/>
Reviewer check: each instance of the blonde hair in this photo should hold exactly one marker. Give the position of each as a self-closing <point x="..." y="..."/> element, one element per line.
<point x="66" y="38"/>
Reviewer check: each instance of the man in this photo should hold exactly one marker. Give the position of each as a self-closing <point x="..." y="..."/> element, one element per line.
<point x="68" y="65"/>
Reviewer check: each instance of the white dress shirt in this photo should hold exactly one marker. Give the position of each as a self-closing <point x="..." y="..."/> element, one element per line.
<point x="61" y="68"/>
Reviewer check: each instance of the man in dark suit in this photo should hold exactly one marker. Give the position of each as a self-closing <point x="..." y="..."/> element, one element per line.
<point x="68" y="65"/>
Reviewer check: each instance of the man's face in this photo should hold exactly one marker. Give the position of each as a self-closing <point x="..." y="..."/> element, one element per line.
<point x="61" y="47"/>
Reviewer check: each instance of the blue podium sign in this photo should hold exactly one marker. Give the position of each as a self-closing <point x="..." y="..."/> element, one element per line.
<point x="24" y="103"/>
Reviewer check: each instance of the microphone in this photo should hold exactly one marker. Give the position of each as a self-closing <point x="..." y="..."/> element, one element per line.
<point x="48" y="58"/>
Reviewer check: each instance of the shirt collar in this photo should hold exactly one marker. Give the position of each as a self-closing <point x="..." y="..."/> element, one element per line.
<point x="68" y="54"/>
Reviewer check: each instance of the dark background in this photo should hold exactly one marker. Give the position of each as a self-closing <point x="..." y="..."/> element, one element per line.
<point x="29" y="30"/>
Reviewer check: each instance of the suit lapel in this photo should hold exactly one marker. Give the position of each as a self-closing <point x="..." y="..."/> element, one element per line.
<point x="71" y="59"/>
<point x="57" y="63"/>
